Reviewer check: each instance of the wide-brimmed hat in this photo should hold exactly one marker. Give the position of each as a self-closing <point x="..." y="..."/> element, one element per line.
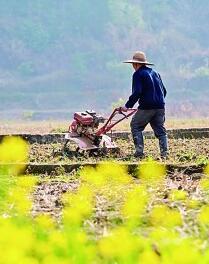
<point x="139" y="57"/>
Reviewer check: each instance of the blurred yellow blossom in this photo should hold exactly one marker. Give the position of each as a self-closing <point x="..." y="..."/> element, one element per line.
<point x="148" y="256"/>
<point x="160" y="233"/>
<point x="203" y="216"/>
<point x="15" y="241"/>
<point x="45" y="222"/>
<point x="14" y="150"/>
<point x="78" y="205"/>
<point x="119" y="244"/>
<point x="204" y="183"/>
<point x="178" y="195"/>
<point x="152" y="172"/>
<point x="53" y="259"/>
<point x="20" y="200"/>
<point x="89" y="176"/>
<point x="113" y="173"/>
<point x="206" y="171"/>
<point x="27" y="182"/>
<point x="162" y="215"/>
<point x="193" y="203"/>
<point x="183" y="251"/>
<point x="135" y="203"/>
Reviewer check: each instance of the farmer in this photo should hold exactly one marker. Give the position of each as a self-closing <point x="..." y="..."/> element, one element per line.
<point x="149" y="91"/>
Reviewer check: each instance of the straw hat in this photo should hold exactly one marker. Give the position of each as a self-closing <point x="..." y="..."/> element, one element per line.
<point x="139" y="57"/>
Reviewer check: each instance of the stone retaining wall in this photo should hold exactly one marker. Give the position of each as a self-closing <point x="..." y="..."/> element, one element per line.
<point x="59" y="137"/>
<point x="195" y="171"/>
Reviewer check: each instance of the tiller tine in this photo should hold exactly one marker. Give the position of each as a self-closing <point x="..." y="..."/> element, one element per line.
<point x="107" y="142"/>
<point x="84" y="143"/>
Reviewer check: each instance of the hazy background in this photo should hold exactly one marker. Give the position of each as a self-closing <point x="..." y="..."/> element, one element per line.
<point x="59" y="56"/>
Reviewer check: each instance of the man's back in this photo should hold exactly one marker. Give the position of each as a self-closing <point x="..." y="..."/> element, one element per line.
<point x="151" y="89"/>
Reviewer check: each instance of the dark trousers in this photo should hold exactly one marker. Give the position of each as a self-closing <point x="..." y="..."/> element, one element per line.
<point x="156" y="118"/>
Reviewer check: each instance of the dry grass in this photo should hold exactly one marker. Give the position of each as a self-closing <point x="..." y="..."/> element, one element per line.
<point x="42" y="127"/>
<point x="33" y="127"/>
<point x="174" y="124"/>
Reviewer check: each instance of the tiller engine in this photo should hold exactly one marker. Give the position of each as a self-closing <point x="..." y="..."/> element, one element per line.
<point x="86" y="132"/>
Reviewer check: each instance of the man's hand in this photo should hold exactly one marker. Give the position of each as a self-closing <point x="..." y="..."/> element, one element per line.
<point x="123" y="109"/>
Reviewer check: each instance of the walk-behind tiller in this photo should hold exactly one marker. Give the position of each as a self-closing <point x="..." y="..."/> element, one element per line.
<point x="86" y="133"/>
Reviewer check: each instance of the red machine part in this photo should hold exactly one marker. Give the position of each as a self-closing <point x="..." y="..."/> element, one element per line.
<point x="83" y="118"/>
<point x="73" y="126"/>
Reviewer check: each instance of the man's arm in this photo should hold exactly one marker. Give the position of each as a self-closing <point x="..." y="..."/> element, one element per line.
<point x="136" y="91"/>
<point x="164" y="89"/>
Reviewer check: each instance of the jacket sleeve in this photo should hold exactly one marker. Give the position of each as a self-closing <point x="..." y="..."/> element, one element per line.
<point x="136" y="91"/>
<point x="163" y="86"/>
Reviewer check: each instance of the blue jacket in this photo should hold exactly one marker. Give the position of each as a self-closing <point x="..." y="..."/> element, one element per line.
<point x="147" y="89"/>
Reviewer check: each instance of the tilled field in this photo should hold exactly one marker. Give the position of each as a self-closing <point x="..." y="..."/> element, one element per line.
<point x="183" y="151"/>
<point x="179" y="191"/>
<point x="48" y="192"/>
<point x="47" y="195"/>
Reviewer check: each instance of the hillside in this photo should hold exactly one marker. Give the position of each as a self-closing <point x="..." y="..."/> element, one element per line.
<point x="61" y="56"/>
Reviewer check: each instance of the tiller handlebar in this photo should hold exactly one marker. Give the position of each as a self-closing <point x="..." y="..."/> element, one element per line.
<point x="109" y="125"/>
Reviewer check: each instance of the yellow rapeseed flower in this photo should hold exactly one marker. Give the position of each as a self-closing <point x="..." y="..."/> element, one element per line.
<point x="162" y="215"/>
<point x="14" y="150"/>
<point x="90" y="176"/>
<point x="204" y="183"/>
<point x="192" y="203"/>
<point x="29" y="260"/>
<point x="151" y="172"/>
<point x="58" y="239"/>
<point x="119" y="244"/>
<point x="183" y="251"/>
<point x="206" y="171"/>
<point x="113" y="173"/>
<point x="203" y="216"/>
<point x="79" y="205"/>
<point x="135" y="203"/>
<point x="178" y="195"/>
<point x="107" y="179"/>
<point x="45" y="222"/>
<point x="27" y="182"/>
<point x="160" y="234"/>
<point x="53" y="259"/>
<point x="15" y="240"/>
<point x="149" y="257"/>
<point x="20" y="199"/>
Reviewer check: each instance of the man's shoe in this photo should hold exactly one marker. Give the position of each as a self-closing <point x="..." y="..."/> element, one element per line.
<point x="139" y="155"/>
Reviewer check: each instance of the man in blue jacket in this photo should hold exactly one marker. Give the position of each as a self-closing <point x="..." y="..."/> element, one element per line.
<point x="149" y="91"/>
